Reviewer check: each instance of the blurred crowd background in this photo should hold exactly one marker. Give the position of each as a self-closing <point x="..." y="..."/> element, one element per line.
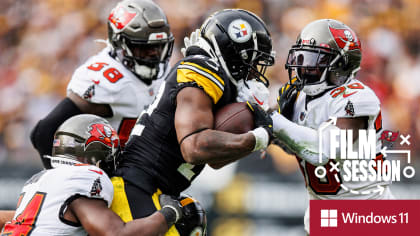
<point x="43" y="41"/>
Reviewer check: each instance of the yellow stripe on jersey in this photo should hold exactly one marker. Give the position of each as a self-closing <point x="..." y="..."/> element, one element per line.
<point x="212" y="84"/>
<point x="120" y="202"/>
<point x="172" y="230"/>
<point x="206" y="70"/>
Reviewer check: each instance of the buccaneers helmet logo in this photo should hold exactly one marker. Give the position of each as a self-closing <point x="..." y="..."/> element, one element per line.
<point x="342" y="36"/>
<point x="121" y="17"/>
<point x="103" y="134"/>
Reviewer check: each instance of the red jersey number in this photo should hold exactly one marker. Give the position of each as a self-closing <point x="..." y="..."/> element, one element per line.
<point x="25" y="221"/>
<point x="126" y="126"/>
<point x="111" y="74"/>
<point x="327" y="186"/>
<point x="342" y="90"/>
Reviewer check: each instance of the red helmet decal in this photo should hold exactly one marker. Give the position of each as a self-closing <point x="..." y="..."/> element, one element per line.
<point x="389" y="135"/>
<point x="103" y="134"/>
<point x="120" y="17"/>
<point x="342" y="36"/>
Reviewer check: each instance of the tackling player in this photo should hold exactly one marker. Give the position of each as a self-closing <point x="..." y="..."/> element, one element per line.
<point x="174" y="138"/>
<point x="121" y="80"/>
<point x="73" y="197"/>
<point x="322" y="68"/>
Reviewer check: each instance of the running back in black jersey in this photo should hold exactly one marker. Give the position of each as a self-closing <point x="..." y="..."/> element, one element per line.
<point x="152" y="158"/>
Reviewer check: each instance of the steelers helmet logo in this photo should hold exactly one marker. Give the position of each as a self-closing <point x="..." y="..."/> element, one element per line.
<point x="239" y="31"/>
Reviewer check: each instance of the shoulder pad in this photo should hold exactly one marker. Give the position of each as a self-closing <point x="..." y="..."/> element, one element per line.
<point x="353" y="100"/>
<point x="205" y="72"/>
<point x="203" y="61"/>
<point x="100" y="80"/>
<point x="92" y="182"/>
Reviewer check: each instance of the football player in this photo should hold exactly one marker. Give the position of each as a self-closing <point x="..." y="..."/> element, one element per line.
<point x="322" y="67"/>
<point x="122" y="79"/>
<point x="73" y="197"/>
<point x="174" y="138"/>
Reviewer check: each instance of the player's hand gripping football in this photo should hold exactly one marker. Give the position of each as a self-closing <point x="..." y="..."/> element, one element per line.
<point x="287" y="98"/>
<point x="171" y="209"/>
<point x="262" y="121"/>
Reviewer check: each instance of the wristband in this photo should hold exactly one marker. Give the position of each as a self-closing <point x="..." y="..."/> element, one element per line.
<point x="261" y="138"/>
<point x="171" y="215"/>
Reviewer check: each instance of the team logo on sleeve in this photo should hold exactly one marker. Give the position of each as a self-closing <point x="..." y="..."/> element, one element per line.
<point x="89" y="93"/>
<point x="349" y="109"/>
<point x="96" y="188"/>
<point x="239" y="31"/>
<point x="103" y="134"/>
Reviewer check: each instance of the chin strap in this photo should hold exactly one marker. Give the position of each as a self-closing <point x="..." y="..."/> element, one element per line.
<point x="57" y="161"/>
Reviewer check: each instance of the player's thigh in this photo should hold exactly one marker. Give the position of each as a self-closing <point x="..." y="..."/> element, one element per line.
<point x="131" y="202"/>
<point x="141" y="203"/>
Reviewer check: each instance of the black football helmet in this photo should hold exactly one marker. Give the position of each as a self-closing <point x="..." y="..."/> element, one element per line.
<point x="85" y="139"/>
<point x="139" y="33"/>
<point x="194" y="221"/>
<point x="240" y="41"/>
<point x="327" y="54"/>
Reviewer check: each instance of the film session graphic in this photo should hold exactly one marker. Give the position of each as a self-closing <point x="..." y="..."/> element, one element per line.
<point x="362" y="162"/>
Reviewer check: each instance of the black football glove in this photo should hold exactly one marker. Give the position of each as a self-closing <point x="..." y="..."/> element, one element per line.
<point x="171" y="209"/>
<point x="262" y="119"/>
<point x="287" y="98"/>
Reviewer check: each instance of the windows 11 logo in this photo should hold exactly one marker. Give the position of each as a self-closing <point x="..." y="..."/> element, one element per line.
<point x="328" y="218"/>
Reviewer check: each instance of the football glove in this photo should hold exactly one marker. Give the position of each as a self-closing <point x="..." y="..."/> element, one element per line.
<point x="192" y="40"/>
<point x="264" y="126"/>
<point x="171" y="209"/>
<point x="254" y="92"/>
<point x="286" y="100"/>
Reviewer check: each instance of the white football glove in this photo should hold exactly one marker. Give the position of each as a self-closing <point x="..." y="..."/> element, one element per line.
<point x="192" y="40"/>
<point x="256" y="92"/>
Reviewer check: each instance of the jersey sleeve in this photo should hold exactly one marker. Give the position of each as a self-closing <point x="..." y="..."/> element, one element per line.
<point x="102" y="80"/>
<point x="92" y="86"/>
<point x="357" y="100"/>
<point x="205" y="73"/>
<point x="91" y="182"/>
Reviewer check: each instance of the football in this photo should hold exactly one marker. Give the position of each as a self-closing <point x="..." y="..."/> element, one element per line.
<point x="234" y="118"/>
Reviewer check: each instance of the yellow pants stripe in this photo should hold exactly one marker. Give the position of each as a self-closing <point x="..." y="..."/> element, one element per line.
<point x="121" y="206"/>
<point x="120" y="202"/>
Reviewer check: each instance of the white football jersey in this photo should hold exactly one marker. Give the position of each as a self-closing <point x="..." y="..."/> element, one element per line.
<point x="104" y="80"/>
<point x="45" y="197"/>
<point x="353" y="99"/>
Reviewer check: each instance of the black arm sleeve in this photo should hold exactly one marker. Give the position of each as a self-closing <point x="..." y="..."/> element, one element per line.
<point x="42" y="135"/>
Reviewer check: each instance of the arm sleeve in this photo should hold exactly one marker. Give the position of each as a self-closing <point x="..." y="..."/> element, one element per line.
<point x="42" y="135"/>
<point x="86" y="181"/>
<point x="303" y="141"/>
<point x="212" y="84"/>
<point x="92" y="182"/>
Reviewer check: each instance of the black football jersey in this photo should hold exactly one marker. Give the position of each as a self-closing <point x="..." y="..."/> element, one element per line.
<point x="152" y="157"/>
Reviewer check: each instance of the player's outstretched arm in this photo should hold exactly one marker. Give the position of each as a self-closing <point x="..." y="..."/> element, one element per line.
<point x="5" y="216"/>
<point x="199" y="142"/>
<point x="304" y="141"/>
<point x="97" y="219"/>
